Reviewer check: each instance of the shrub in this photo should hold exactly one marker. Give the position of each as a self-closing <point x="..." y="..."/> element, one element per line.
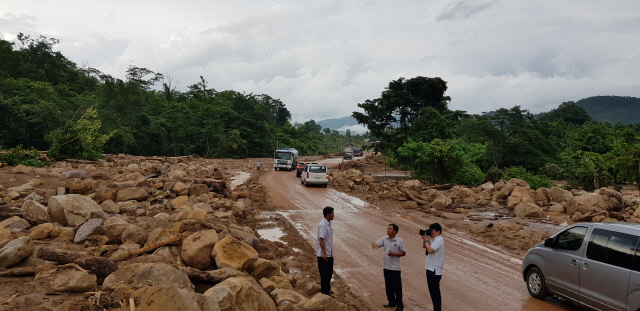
<point x="18" y="155"/>
<point x="79" y="139"/>
<point x="470" y="175"/>
<point x="534" y="181"/>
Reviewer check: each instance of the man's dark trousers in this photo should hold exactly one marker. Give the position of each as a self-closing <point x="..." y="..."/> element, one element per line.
<point x="393" y="285"/>
<point x="433" y="281"/>
<point x="326" y="271"/>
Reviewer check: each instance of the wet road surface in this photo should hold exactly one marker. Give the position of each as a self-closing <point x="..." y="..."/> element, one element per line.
<point x="475" y="277"/>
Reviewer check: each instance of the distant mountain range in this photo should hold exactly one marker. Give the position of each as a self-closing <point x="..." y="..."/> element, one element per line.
<point x="623" y="109"/>
<point x="614" y="109"/>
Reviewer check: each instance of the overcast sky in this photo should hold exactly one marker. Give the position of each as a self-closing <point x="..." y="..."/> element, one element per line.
<point x="322" y="58"/>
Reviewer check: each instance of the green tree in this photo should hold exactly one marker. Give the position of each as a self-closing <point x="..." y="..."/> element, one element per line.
<point x="403" y="102"/>
<point x="80" y="139"/>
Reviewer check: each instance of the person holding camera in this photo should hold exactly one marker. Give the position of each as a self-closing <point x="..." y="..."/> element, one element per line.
<point x="393" y="250"/>
<point x="324" y="251"/>
<point x="433" y="242"/>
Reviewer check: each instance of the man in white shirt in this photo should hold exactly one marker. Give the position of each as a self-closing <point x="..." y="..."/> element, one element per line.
<point x="434" y="262"/>
<point x="324" y="251"/>
<point x="393" y="250"/>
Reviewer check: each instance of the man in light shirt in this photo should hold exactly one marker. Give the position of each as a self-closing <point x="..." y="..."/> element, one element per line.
<point x="434" y="262"/>
<point x="324" y="251"/>
<point x="393" y="250"/>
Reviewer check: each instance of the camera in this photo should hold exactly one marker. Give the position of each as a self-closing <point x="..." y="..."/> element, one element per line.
<point x="426" y="231"/>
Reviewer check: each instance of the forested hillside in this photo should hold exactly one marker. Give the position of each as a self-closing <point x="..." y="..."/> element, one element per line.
<point x="49" y="102"/>
<point x="439" y="145"/>
<point x="614" y="109"/>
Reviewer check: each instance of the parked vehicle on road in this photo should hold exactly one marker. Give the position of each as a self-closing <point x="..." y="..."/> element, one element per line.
<point x="315" y="174"/>
<point x="300" y="167"/>
<point x="357" y="152"/>
<point x="596" y="265"/>
<point x="348" y="156"/>
<point x="285" y="159"/>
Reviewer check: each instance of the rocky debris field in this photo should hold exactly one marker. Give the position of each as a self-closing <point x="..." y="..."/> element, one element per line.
<point x="141" y="233"/>
<point x="508" y="213"/>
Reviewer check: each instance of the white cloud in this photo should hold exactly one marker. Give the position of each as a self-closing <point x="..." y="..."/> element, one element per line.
<point x="323" y="58"/>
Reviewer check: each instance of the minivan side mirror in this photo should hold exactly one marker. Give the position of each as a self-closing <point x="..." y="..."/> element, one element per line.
<point x="548" y="242"/>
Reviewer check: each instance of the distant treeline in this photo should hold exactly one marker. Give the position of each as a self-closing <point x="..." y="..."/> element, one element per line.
<point x="47" y="101"/>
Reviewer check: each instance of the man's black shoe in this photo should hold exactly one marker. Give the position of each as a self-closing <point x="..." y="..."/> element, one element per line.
<point x="389" y="305"/>
<point x="399" y="308"/>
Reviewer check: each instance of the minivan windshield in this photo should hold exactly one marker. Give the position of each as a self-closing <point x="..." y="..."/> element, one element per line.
<point x="282" y="156"/>
<point x="317" y="169"/>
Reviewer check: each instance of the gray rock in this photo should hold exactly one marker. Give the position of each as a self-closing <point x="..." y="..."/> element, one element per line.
<point x="15" y="223"/>
<point x="73" y="174"/>
<point x="15" y="251"/>
<point x="34" y="197"/>
<point x="61" y="191"/>
<point x="21" y="188"/>
<point x="90" y="227"/>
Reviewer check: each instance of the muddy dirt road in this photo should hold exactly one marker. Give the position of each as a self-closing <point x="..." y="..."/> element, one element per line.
<point x="475" y="277"/>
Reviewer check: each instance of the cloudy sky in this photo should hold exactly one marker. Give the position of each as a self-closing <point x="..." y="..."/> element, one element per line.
<point x="322" y="58"/>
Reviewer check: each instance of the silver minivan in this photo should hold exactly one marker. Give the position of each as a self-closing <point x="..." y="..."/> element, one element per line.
<point x="315" y="174"/>
<point x="596" y="265"/>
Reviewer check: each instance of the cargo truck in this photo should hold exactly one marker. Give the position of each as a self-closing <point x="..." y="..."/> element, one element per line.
<point x="285" y="159"/>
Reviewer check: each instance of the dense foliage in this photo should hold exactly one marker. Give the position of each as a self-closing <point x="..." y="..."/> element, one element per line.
<point x="441" y="146"/>
<point x="50" y="103"/>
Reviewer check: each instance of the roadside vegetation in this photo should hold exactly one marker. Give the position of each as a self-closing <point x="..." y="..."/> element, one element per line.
<point x="50" y="103"/>
<point x="420" y="133"/>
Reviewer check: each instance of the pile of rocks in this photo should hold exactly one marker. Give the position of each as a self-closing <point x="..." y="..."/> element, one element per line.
<point x="155" y="236"/>
<point x="516" y="195"/>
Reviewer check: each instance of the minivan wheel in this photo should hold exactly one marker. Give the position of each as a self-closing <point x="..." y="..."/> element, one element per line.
<point x="536" y="284"/>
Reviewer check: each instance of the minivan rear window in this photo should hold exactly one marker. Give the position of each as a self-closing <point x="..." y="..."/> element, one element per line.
<point x="317" y="169"/>
<point x="613" y="248"/>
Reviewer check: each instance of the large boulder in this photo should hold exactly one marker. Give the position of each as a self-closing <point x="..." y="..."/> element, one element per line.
<point x="585" y="204"/>
<point x="133" y="193"/>
<point x="72" y="280"/>
<point x="15" y="251"/>
<point x="196" y="248"/>
<point x="413" y="184"/>
<point x="240" y="293"/>
<point x="283" y="296"/>
<point x="139" y="275"/>
<point x="264" y="268"/>
<point x="163" y="297"/>
<point x="520" y="195"/>
<point x="199" y="189"/>
<point x="322" y="302"/>
<point x="613" y="199"/>
<point x="158" y="235"/>
<point x="508" y="187"/>
<point x="558" y="195"/>
<point x="180" y="202"/>
<point x="245" y="236"/>
<point x="35" y="212"/>
<point x="233" y="253"/>
<point x="5" y="236"/>
<point x="441" y="203"/>
<point x="73" y="209"/>
<point x="528" y="209"/>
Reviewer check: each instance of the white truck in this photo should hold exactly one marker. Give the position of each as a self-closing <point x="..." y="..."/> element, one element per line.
<point x="285" y="159"/>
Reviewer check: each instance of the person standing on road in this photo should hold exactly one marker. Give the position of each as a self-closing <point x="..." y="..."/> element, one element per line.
<point x="434" y="262"/>
<point x="324" y="251"/>
<point x="258" y="165"/>
<point x="393" y="250"/>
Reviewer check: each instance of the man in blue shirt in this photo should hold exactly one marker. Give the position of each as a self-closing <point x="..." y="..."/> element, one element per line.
<point x="393" y="250"/>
